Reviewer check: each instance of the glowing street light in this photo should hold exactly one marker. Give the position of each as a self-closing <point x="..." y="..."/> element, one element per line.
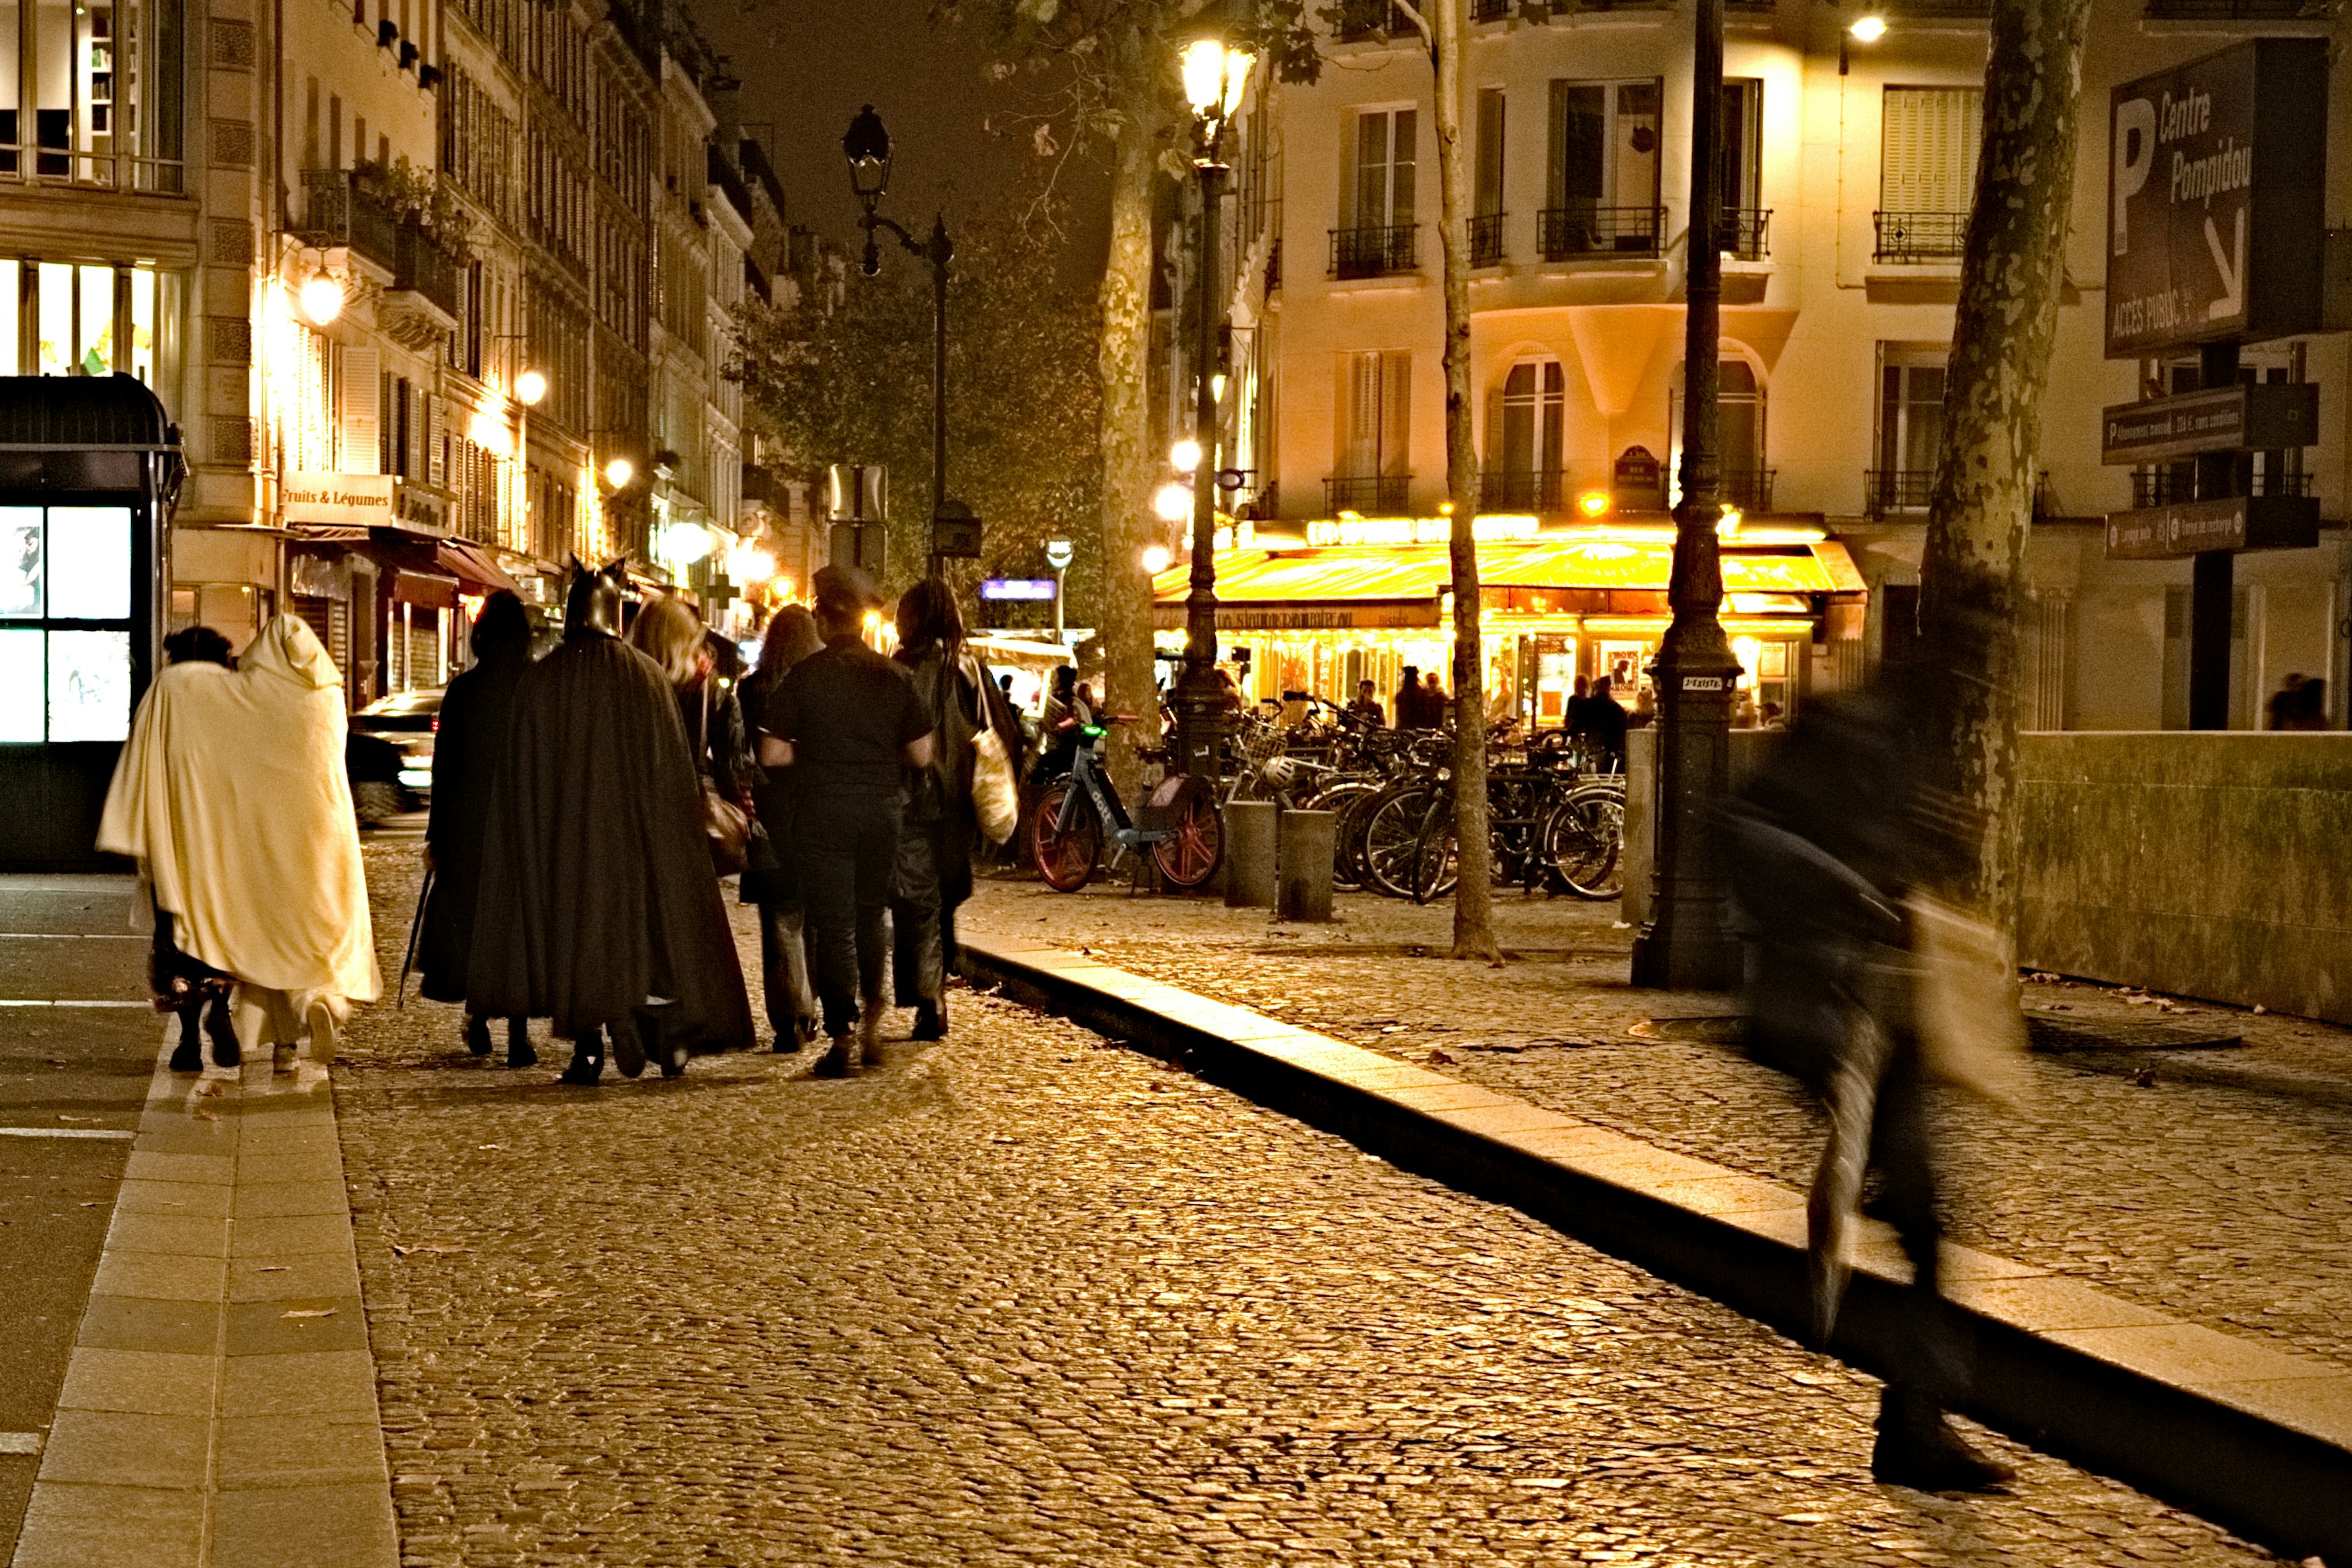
<point x="529" y="388"/>
<point x="1174" y="502"/>
<point x="322" y="298"/>
<point x="1156" y="558"/>
<point x="1868" y="30"/>
<point x="1184" y="457"/>
<point x="619" y="472"/>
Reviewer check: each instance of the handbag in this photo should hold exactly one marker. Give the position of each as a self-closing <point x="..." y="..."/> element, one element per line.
<point x="995" y="797"/>
<point x="725" y="825"/>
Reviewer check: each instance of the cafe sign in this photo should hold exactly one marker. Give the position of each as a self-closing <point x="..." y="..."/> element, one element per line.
<point x="2215" y="199"/>
<point x="340" y="501"/>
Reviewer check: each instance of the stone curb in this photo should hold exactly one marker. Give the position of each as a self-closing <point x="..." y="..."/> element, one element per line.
<point x="2255" y="1439"/>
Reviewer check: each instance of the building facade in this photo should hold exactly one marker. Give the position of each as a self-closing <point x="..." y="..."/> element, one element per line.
<point x="1848" y="169"/>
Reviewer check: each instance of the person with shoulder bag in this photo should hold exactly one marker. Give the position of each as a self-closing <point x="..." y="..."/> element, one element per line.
<point x="771" y="879"/>
<point x="967" y="794"/>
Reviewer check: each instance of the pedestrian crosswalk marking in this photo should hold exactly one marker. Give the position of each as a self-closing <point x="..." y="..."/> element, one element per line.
<point x="65" y="1133"/>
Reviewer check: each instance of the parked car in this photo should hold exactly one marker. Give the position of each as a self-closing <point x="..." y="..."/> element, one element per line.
<point x="390" y="753"/>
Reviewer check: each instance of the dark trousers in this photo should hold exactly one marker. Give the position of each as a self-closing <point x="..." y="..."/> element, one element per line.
<point x="848" y="850"/>
<point x="918" y="955"/>
<point x="784" y="964"/>
<point x="1929" y="1359"/>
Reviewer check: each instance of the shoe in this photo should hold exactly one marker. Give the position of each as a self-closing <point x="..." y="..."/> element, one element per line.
<point x="628" y="1050"/>
<point x="788" y="1040"/>
<point x="869" y="1032"/>
<point x="840" y="1059"/>
<point x="188" y="1056"/>
<point x="477" y="1035"/>
<point x="932" y="1020"/>
<point x="587" y="1061"/>
<point x="519" y="1051"/>
<point x="1918" y="1448"/>
<point x="323" y="1031"/>
<point x="281" y="1058"/>
<point x="223" y="1035"/>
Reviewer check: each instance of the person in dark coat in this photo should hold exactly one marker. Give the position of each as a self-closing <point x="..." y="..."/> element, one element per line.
<point x="771" y="880"/>
<point x="472" y="736"/>
<point x="598" y="908"/>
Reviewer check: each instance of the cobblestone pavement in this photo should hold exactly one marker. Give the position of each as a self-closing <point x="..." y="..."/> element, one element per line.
<point x="1027" y="1297"/>
<point x="2225" y="1205"/>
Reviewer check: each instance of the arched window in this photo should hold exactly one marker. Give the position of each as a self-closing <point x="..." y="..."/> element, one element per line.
<point x="1526" y="435"/>
<point x="1747" y="483"/>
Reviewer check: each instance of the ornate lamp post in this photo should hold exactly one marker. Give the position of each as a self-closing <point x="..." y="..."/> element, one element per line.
<point x="867" y="147"/>
<point x="1684" y="944"/>
<point x="1214" y="72"/>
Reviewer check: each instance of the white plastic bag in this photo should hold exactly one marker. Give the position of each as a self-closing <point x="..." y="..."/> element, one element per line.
<point x="1972" y="1026"/>
<point x="995" y="798"/>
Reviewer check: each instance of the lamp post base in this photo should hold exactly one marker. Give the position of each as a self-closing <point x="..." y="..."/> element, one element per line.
<point x="1686" y="944"/>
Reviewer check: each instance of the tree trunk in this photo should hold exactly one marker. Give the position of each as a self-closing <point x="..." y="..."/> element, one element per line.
<point x="1474" y="895"/>
<point x="1125" y="612"/>
<point x="1971" y="577"/>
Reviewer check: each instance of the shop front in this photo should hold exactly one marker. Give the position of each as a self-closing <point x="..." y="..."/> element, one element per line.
<point x="1583" y="602"/>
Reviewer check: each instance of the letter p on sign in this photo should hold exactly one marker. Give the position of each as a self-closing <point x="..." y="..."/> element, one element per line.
<point x="2134" y="155"/>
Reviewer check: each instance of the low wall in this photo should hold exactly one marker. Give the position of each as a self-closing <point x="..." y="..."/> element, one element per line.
<point x="2206" y="865"/>
<point x="2209" y="865"/>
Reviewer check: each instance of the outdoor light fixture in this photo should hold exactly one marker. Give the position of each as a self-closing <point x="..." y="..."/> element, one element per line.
<point x="1593" y="504"/>
<point x="529" y="388"/>
<point x="1174" y="502"/>
<point x="750" y="563"/>
<point x="1729" y="526"/>
<point x="322" y="298"/>
<point x="685" y="543"/>
<point x="1214" y="74"/>
<point x="1217" y="386"/>
<point x="1156" y="558"/>
<point x="1184" y="457"/>
<point x="619" y="472"/>
<point x="1868" y="30"/>
<point x="868" y="148"/>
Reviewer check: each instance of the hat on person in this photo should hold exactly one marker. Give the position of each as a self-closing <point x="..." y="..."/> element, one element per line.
<point x="844" y="591"/>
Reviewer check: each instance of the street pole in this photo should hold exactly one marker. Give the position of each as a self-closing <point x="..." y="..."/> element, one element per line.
<point x="2212" y="591"/>
<point x="1058" y="626"/>
<point x="1199" y="700"/>
<point x="939" y="250"/>
<point x="1686" y="945"/>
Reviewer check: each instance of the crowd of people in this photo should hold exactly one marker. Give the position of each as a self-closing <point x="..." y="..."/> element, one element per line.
<point x="585" y="807"/>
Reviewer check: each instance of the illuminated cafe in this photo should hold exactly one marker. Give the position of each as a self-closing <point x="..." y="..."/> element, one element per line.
<point x="1352" y="599"/>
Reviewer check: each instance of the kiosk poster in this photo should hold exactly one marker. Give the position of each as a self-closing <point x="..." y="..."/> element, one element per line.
<point x="20" y="561"/>
<point x="2215" y="221"/>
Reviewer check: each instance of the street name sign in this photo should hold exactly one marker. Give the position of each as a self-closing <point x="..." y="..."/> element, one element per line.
<point x="2215" y="193"/>
<point x="2268" y="418"/>
<point x="2233" y="522"/>
<point x="1034" y="590"/>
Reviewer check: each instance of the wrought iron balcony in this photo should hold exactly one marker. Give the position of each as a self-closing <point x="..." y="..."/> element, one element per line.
<point x="1486" y="239"/>
<point x="1376" y="252"/>
<point x="1362" y="19"/>
<point x="426" y="270"/>
<point x="1570" y="234"/>
<point x="1745" y="233"/>
<point x="1885" y="491"/>
<point x="1909" y="237"/>
<point x="337" y="211"/>
<point x="1749" y="490"/>
<point x="2236" y="10"/>
<point x="1491" y="10"/>
<point x="1539" y="491"/>
<point x="1379" y="494"/>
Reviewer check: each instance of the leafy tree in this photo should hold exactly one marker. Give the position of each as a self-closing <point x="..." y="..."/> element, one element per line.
<point x="845" y="375"/>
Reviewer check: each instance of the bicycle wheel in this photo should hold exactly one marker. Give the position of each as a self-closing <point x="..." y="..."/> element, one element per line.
<point x="1436" y="866"/>
<point x="1188" y="857"/>
<point x="1392" y="840"/>
<point x="1065" y="857"/>
<point x="1584" y="840"/>
<point x="1345" y="802"/>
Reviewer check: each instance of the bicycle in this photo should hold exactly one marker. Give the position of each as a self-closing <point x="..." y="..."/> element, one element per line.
<point x="1076" y="811"/>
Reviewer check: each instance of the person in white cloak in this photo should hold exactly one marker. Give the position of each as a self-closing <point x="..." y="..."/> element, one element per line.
<point x="231" y="795"/>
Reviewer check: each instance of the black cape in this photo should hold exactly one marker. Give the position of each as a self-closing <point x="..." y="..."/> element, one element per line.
<point x="466" y="749"/>
<point x="597" y="891"/>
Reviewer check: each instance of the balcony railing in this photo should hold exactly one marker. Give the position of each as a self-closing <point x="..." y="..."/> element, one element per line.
<point x="1274" y="266"/>
<point x="1568" y="233"/>
<point x="1380" y="494"/>
<point x="1896" y="489"/>
<point x="2176" y="485"/>
<point x="1749" y="490"/>
<point x="1376" y="252"/>
<point x="1486" y="240"/>
<point x="336" y="211"/>
<point x="1491" y="10"/>
<point x="1746" y="233"/>
<point x="426" y="269"/>
<point x="1920" y="237"/>
<point x="2235" y="10"/>
<point x="1362" y="19"/>
<point x="1930" y="9"/>
<point x="50" y="162"/>
<point x="1502" y="490"/>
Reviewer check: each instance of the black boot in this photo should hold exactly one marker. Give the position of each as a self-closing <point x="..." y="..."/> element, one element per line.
<point x="188" y="1056"/>
<point x="587" y="1061"/>
<point x="223" y="1035"/>
<point x="1917" y="1449"/>
<point x="477" y="1035"/>
<point x="519" y="1051"/>
<point x="932" y="1019"/>
<point x="628" y="1049"/>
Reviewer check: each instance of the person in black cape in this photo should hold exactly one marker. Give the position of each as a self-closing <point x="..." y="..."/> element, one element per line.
<point x="598" y="908"/>
<point x="466" y="749"/>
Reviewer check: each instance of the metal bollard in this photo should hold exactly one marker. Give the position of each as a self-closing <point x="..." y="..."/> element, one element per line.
<point x="1249" y="854"/>
<point x="1304" y="863"/>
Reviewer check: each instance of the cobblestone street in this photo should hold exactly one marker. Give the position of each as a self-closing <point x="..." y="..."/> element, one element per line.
<point x="2227" y="1206"/>
<point x="1026" y="1296"/>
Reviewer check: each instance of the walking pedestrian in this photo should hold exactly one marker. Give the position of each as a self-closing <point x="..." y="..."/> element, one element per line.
<point x="470" y="738"/>
<point x="1825" y="846"/>
<point x="844" y="725"/>
<point x="598" y="907"/>
<point x="195" y="990"/>
<point x="941" y="827"/>
<point x="1408" y="704"/>
<point x="772" y="881"/>
<point x="2280" y="711"/>
<point x="1434" y="702"/>
<point x="231" y="794"/>
<point x="701" y="670"/>
<point x="1605" y="722"/>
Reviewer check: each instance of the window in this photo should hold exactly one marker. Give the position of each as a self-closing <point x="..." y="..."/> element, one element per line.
<point x="1740" y="178"/>
<point x="97" y="83"/>
<point x="1486" y="224"/>
<point x="1374" y="461"/>
<point x="1741" y="477"/>
<point x="66" y="572"/>
<point x="1526" y="437"/>
<point x="1384" y="148"/>
<point x="87" y="321"/>
<point x="1928" y="170"/>
<point x="1603" y="180"/>
<point x="1910" y="427"/>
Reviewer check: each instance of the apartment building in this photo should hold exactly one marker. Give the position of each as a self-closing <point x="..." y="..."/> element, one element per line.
<point x="1848" y="169"/>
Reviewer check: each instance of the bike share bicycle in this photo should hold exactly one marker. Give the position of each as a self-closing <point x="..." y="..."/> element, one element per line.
<point x="1079" y="811"/>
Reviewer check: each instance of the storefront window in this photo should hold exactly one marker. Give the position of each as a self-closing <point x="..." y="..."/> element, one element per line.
<point x="90" y="320"/>
<point x="61" y="678"/>
<point x="89" y="92"/>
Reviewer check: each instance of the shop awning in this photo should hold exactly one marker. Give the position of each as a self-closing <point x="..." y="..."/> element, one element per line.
<point x="1400" y="586"/>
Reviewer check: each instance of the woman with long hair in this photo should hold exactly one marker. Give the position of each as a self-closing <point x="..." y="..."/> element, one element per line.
<point x="769" y="881"/>
<point x="941" y="827"/>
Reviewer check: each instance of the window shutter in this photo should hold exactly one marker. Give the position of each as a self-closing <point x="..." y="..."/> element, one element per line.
<point x="362" y="387"/>
<point x="1396" y="411"/>
<point x="1555" y="166"/>
<point x="1400" y="162"/>
<point x="437" y="460"/>
<point x="1490" y="152"/>
<point x="1928" y="148"/>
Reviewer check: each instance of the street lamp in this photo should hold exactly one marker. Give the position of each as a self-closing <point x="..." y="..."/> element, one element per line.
<point x="619" y="472"/>
<point x="867" y="146"/>
<point x="529" y="388"/>
<point x="1059" y="554"/>
<point x="1686" y="944"/>
<point x="1214" y="72"/>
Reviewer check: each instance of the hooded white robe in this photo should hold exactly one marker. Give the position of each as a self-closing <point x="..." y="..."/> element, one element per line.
<point x="231" y="793"/>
